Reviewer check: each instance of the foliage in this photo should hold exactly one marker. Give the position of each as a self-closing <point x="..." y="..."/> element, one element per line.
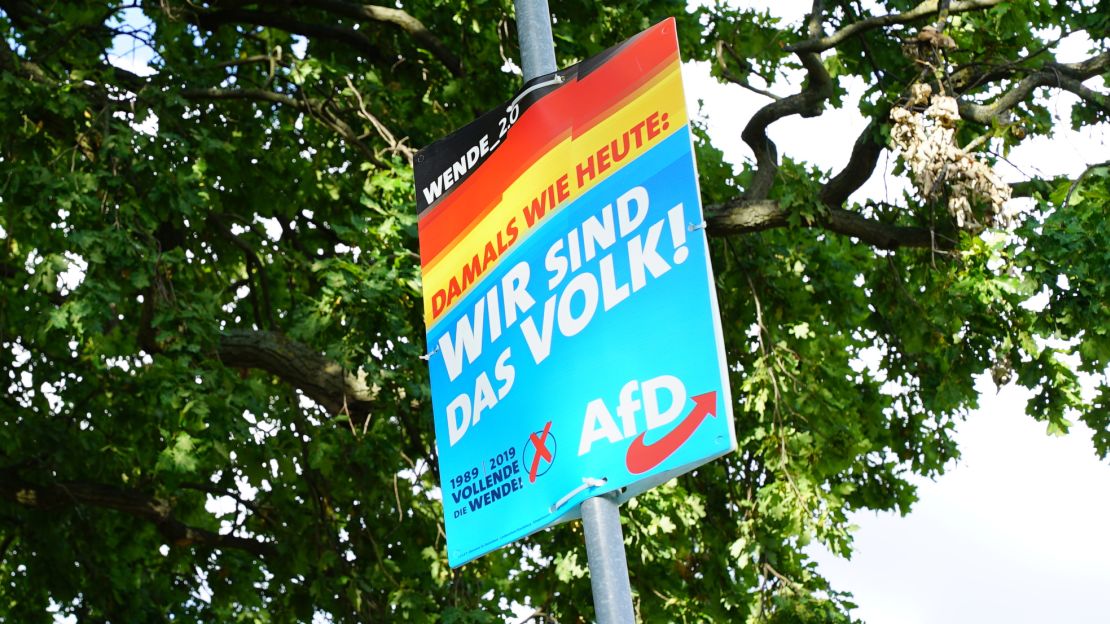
<point x="215" y="407"/>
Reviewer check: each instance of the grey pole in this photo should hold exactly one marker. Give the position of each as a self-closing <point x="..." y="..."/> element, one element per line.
<point x="537" y="48"/>
<point x="601" y="522"/>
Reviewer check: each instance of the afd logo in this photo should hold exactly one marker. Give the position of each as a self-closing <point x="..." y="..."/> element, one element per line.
<point x="636" y="398"/>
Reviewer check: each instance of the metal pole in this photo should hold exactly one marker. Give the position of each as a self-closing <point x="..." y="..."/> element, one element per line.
<point x="601" y="522"/>
<point x="537" y="48"/>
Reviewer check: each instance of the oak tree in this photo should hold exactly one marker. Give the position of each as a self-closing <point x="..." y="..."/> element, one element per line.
<point x="214" y="405"/>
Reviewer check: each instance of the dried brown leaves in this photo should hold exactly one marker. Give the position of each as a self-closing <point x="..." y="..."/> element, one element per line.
<point x="938" y="167"/>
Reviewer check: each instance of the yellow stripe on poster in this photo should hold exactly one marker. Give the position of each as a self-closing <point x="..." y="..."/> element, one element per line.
<point x="566" y="172"/>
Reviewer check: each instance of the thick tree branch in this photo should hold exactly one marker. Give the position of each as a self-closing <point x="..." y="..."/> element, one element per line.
<point x="728" y="74"/>
<point x="820" y="44"/>
<point x="807" y="103"/>
<point x="399" y="18"/>
<point x="321" y="111"/>
<point x="754" y="212"/>
<point x="745" y="216"/>
<point x="283" y="21"/>
<point x="815" y="19"/>
<point x="1067" y="76"/>
<point x="322" y="380"/>
<point x="160" y="512"/>
<point x="861" y="164"/>
<point x="257" y="95"/>
<point x="11" y="63"/>
<point x="1084" y="69"/>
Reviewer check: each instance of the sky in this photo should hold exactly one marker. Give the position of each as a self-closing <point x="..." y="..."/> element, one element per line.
<point x="1015" y="531"/>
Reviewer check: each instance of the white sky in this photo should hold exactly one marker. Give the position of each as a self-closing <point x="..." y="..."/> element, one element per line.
<point x="1015" y="531"/>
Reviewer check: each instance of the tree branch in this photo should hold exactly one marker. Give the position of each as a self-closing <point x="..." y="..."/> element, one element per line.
<point x="861" y="164"/>
<point x="1079" y="180"/>
<point x="1067" y="76"/>
<point x="11" y="63"/>
<point x="259" y="95"/>
<point x="67" y="494"/>
<point x="399" y="18"/>
<point x="318" y="377"/>
<point x="353" y="38"/>
<point x="395" y="146"/>
<point x="754" y="212"/>
<point x="264" y="313"/>
<point x="807" y="103"/>
<point x="745" y="216"/>
<point x="722" y="66"/>
<point x="820" y="44"/>
<point x="321" y="111"/>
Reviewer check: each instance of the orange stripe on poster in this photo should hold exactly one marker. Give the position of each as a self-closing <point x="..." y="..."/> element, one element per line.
<point x="563" y="173"/>
<point x="571" y="108"/>
<point x="581" y="126"/>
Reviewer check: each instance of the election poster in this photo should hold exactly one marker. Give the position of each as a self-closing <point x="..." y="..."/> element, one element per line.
<point x="574" y="340"/>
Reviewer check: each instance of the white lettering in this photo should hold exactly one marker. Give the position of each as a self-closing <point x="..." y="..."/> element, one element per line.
<point x="596" y="233"/>
<point x="611" y="294"/>
<point x="555" y="263"/>
<point x="569" y="324"/>
<point x="539" y="343"/>
<point x="629" y="222"/>
<point x="434" y="190"/>
<point x="456" y="427"/>
<point x="504" y="372"/>
<point x="515" y="287"/>
<point x="628" y="407"/>
<point x="467" y="342"/>
<point x="673" y="386"/>
<point x="494" y="314"/>
<point x="643" y="255"/>
<point x="598" y="424"/>
<point x="484" y="398"/>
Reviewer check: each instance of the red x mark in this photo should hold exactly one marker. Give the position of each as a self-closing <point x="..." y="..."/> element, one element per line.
<point x="539" y="442"/>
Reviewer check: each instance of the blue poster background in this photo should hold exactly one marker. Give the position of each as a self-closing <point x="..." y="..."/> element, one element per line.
<point x="669" y="327"/>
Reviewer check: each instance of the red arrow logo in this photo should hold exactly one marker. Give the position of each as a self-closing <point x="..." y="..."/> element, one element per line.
<point x="643" y="457"/>
<point x="541" y="451"/>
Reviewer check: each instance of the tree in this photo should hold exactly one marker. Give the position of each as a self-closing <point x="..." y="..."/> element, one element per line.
<point x="216" y="407"/>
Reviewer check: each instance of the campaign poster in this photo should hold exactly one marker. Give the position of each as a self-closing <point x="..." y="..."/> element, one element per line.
<point x="574" y="340"/>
